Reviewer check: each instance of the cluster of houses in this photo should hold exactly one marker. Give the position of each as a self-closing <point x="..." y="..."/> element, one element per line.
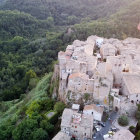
<point x="79" y="124"/>
<point x="100" y="71"/>
<point x="92" y="70"/>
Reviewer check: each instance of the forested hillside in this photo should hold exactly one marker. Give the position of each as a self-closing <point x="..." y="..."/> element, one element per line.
<point x="67" y="12"/>
<point x="32" y="32"/>
<point x="120" y="25"/>
<point x="13" y="23"/>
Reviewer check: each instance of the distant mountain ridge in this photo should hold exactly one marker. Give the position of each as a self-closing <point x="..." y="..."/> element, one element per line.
<point x="61" y="10"/>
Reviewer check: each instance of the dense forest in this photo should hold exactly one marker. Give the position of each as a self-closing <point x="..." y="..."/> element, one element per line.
<point x="32" y="32"/>
<point x="66" y="12"/>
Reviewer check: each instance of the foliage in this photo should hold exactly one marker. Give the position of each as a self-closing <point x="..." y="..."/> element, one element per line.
<point x="47" y="126"/>
<point x="123" y="120"/>
<point x="24" y="129"/>
<point x="138" y="105"/>
<point x="59" y="107"/>
<point x="6" y="130"/>
<point x="64" y="11"/>
<point x="14" y="23"/>
<point x="132" y="129"/>
<point x="30" y="40"/>
<point x="40" y="134"/>
<point x="34" y="107"/>
<point x="86" y="96"/>
<point x="137" y="135"/>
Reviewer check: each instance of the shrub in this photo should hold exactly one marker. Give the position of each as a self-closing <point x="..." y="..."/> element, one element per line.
<point x="34" y="107"/>
<point x="47" y="126"/>
<point x="132" y="129"/>
<point x="137" y="135"/>
<point x="123" y="120"/>
<point x="40" y="134"/>
<point x="59" y="107"/>
<point x="86" y="96"/>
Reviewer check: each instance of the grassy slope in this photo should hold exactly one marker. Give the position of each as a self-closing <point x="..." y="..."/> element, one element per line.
<point x="15" y="106"/>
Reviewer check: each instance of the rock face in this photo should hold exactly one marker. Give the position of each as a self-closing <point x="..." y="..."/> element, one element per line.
<point x="89" y="70"/>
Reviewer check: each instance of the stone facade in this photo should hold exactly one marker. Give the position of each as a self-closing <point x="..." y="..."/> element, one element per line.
<point x="95" y="111"/>
<point x="77" y="125"/>
<point x="89" y="71"/>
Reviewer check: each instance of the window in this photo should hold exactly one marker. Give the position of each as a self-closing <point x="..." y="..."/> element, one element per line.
<point x="132" y="101"/>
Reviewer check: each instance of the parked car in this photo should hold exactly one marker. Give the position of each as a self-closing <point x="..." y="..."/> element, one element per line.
<point x="113" y="129"/>
<point x="94" y="137"/>
<point x="101" y="123"/>
<point x="110" y="132"/>
<point x="106" y="136"/>
<point x="97" y="128"/>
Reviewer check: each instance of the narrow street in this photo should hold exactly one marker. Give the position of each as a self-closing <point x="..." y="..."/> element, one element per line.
<point x="104" y="130"/>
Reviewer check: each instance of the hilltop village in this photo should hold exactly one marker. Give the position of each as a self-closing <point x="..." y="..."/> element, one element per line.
<point x="98" y="75"/>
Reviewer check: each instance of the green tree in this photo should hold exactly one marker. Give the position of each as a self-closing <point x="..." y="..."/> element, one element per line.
<point x="59" y="107"/>
<point x="46" y="104"/>
<point x="50" y="21"/>
<point x="34" y="107"/>
<point x="6" y="131"/>
<point x="132" y="129"/>
<point x="123" y="120"/>
<point x="24" y="129"/>
<point x="40" y="134"/>
<point x="137" y="135"/>
<point x="30" y="74"/>
<point x="47" y="126"/>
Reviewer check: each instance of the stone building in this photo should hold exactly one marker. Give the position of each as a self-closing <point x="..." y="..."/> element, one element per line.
<point x="77" y="125"/>
<point x="107" y="50"/>
<point x="83" y="72"/>
<point x="118" y="65"/>
<point x="76" y="66"/>
<point x="131" y="87"/>
<point x="62" y="136"/>
<point x="80" y="82"/>
<point x="96" y="111"/>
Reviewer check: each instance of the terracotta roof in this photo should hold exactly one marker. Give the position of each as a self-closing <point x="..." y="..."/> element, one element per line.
<point x="61" y="53"/>
<point x="77" y="75"/>
<point x="67" y="55"/>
